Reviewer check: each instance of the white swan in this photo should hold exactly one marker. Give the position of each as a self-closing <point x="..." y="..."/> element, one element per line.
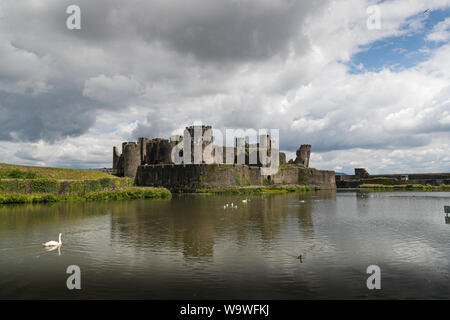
<point x="53" y="243"/>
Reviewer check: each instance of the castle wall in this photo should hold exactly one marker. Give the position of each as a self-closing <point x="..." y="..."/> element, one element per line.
<point x="325" y="179"/>
<point x="192" y="176"/>
<point x="197" y="176"/>
<point x="287" y="175"/>
<point x="354" y="181"/>
<point x="295" y="175"/>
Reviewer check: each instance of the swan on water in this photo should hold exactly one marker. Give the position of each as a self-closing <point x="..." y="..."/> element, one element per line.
<point x="53" y="243"/>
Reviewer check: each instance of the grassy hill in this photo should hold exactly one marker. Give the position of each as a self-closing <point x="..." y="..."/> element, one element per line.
<point x="10" y="171"/>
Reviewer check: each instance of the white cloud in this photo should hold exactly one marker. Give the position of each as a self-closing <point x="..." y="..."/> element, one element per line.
<point x="440" y="32"/>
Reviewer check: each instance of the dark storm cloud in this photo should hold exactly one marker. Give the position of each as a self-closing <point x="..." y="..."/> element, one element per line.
<point x="49" y="117"/>
<point x="112" y="44"/>
<point x="210" y="31"/>
<point x="228" y="30"/>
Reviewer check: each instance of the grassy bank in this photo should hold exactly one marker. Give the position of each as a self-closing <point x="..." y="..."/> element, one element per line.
<point x="122" y="194"/>
<point x="254" y="190"/>
<point x="10" y="171"/>
<point x="23" y="184"/>
<point x="400" y="187"/>
<point x="45" y="185"/>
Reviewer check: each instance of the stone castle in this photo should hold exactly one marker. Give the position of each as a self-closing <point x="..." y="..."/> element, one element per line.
<point x="151" y="163"/>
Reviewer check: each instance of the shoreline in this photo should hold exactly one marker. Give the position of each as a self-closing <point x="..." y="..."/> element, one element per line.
<point x="131" y="193"/>
<point x="402" y="187"/>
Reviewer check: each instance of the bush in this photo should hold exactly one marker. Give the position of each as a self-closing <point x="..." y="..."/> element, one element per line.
<point x="45" y="186"/>
<point x="105" y="183"/>
<point x="17" y="186"/>
<point x="93" y="185"/>
<point x="123" y="194"/>
<point x="239" y="179"/>
<point x="56" y="186"/>
<point x="76" y="187"/>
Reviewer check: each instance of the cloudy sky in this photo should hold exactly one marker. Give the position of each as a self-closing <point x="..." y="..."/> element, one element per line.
<point x="363" y="97"/>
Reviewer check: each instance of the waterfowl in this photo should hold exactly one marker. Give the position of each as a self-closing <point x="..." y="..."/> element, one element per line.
<point x="53" y="243"/>
<point x="244" y="201"/>
<point x="300" y="257"/>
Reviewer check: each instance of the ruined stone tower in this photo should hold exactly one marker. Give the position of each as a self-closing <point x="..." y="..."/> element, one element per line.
<point x="199" y="142"/>
<point x="158" y="151"/>
<point x="361" y="173"/>
<point x="131" y="152"/>
<point x="303" y="154"/>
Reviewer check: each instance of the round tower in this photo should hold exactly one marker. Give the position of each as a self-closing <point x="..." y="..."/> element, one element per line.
<point x="131" y="159"/>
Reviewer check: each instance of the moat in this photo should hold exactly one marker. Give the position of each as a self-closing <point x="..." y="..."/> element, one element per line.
<point x="190" y="247"/>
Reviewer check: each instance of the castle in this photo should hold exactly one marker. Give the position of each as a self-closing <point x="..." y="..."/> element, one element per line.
<point x="193" y="161"/>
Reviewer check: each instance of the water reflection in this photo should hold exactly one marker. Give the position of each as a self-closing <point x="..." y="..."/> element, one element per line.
<point x="191" y="224"/>
<point x="191" y="247"/>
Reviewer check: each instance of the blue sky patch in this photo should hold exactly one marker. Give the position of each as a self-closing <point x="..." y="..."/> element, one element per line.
<point x="400" y="52"/>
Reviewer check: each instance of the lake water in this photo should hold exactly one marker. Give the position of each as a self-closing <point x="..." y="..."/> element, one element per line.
<point x="190" y="247"/>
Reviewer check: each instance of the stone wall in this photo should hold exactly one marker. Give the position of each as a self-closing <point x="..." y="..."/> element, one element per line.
<point x="288" y="175"/>
<point x="354" y="181"/>
<point x="193" y="176"/>
<point x="197" y="176"/>
<point x="296" y="175"/>
<point x="325" y="179"/>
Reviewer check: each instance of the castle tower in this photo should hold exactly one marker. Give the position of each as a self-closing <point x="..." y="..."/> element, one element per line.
<point x="199" y="142"/>
<point x="240" y="151"/>
<point x="116" y="157"/>
<point x="131" y="158"/>
<point x="158" y="151"/>
<point x="361" y="173"/>
<point x="142" y="142"/>
<point x="303" y="154"/>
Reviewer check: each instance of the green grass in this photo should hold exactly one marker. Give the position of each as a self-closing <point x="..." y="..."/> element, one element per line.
<point x="122" y="194"/>
<point x="257" y="190"/>
<point x="406" y="187"/>
<point x="9" y="171"/>
<point x="62" y="186"/>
